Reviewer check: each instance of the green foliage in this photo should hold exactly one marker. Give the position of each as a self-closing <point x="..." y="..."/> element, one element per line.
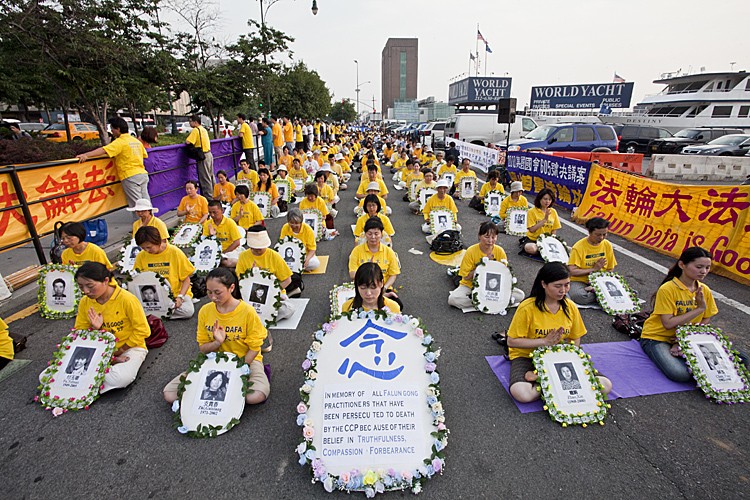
<point x="343" y="110"/>
<point x="301" y="92"/>
<point x="40" y="150"/>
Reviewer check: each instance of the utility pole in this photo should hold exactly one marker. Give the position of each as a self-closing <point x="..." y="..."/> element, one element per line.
<point x="357" y="89"/>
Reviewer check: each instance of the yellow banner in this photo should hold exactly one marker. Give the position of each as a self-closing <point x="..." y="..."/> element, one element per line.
<point x="669" y="218"/>
<point x="39" y="185"/>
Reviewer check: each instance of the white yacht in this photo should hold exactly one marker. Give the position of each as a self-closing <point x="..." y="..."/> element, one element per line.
<point x="699" y="100"/>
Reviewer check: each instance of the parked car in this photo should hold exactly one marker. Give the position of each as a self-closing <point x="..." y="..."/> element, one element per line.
<point x="568" y="137"/>
<point x="32" y="127"/>
<point x="728" y="145"/>
<point x="483" y="129"/>
<point x="688" y="137"/>
<point x="436" y="132"/>
<point x="183" y="127"/>
<point x="635" y="138"/>
<point x="79" y="131"/>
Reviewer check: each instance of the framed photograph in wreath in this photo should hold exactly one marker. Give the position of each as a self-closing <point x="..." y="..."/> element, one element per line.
<point x="468" y="187"/>
<point x="424" y="195"/>
<point x="263" y="200"/>
<point x="515" y="221"/>
<point x="441" y="220"/>
<point x="413" y="189"/>
<point x="227" y="207"/>
<point x="58" y="293"/>
<point x="76" y="373"/>
<point x="262" y="290"/>
<point x="715" y="365"/>
<point x="127" y="257"/>
<point x="285" y="189"/>
<point x="211" y="395"/>
<point x="186" y="235"/>
<point x="492" y="203"/>
<point x="552" y="248"/>
<point x="292" y="251"/>
<point x="450" y="177"/>
<point x="613" y="293"/>
<point x="569" y="386"/>
<point x="314" y="218"/>
<point x="153" y="292"/>
<point x="243" y="182"/>
<point x="493" y="284"/>
<point x="339" y="295"/>
<point x="206" y="255"/>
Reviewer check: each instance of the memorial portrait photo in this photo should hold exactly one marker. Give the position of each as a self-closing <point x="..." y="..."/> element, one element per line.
<point x="612" y="289"/>
<point x="493" y="282"/>
<point x="568" y="376"/>
<point x="215" y="387"/>
<point x="259" y="293"/>
<point x="58" y="289"/>
<point x="149" y="295"/>
<point x="80" y="360"/>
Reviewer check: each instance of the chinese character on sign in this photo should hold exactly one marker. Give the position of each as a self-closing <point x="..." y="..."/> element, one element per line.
<point x="376" y="337"/>
<point x="640" y="202"/>
<point x="8" y="199"/>
<point x="728" y="203"/>
<point x="96" y="177"/>
<point x="68" y="183"/>
<point x="607" y="192"/>
<point x="676" y="202"/>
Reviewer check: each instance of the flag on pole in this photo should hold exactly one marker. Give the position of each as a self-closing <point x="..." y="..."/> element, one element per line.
<point x="471" y="56"/>
<point x="618" y="79"/>
<point x="487" y="48"/>
<point x="480" y="37"/>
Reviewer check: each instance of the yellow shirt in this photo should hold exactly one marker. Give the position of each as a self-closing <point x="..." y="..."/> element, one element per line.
<point x="123" y="317"/>
<point x="92" y="253"/>
<point x="433" y="202"/>
<point x="172" y="264"/>
<point x="248" y="142"/>
<point x="536" y="215"/>
<point x="362" y="189"/>
<point x="273" y="191"/>
<point x="486" y="188"/>
<point x="244" y="329"/>
<point x="461" y="174"/>
<point x="388" y="227"/>
<point x="383" y="206"/>
<point x="226" y="232"/>
<point x="153" y="222"/>
<point x="250" y="214"/>
<point x="298" y="133"/>
<point x="298" y="174"/>
<point x="128" y="153"/>
<point x="288" y="132"/>
<point x="531" y="323"/>
<point x="6" y="343"/>
<point x="446" y="169"/>
<point x="400" y="163"/>
<point x="278" y="138"/>
<point x="286" y="160"/>
<point x="411" y="176"/>
<point x="385" y="257"/>
<point x="198" y="137"/>
<point x="508" y="203"/>
<point x="390" y="304"/>
<point x="224" y="192"/>
<point x="292" y="184"/>
<point x="325" y="193"/>
<point x="584" y="255"/>
<point x="251" y="177"/>
<point x="305" y="235"/>
<point x="271" y="261"/>
<point x="472" y="257"/>
<point x="318" y="204"/>
<point x="195" y="208"/>
<point x="674" y="298"/>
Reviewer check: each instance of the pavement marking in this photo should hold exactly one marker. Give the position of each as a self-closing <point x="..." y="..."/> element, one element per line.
<point x="640" y="258"/>
<point x="22" y="314"/>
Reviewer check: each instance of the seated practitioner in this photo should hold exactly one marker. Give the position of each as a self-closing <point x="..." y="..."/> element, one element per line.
<point x="226" y="233"/>
<point x="491" y="186"/>
<point x="247" y="175"/>
<point x="312" y="200"/>
<point x="282" y="174"/>
<point x="411" y="172"/>
<point x="589" y="255"/>
<point x="439" y="200"/>
<point x="373" y="250"/>
<point x="227" y="312"/>
<point x="145" y="213"/>
<point x="465" y="171"/>
<point x="373" y="189"/>
<point x="193" y="206"/>
<point x="78" y="250"/>
<point x="296" y="228"/>
<point x="542" y="219"/>
<point x="6" y="345"/>
<point x="369" y="291"/>
<point x="245" y="212"/>
<point x="449" y="167"/>
<point x="299" y="174"/>
<point x="170" y="262"/>
<point x="332" y="180"/>
<point x="265" y="185"/>
<point x="546" y="318"/>
<point x="487" y="247"/>
<point x="373" y="209"/>
<point x="223" y="189"/>
<point x="400" y="163"/>
<point x="372" y="176"/>
<point x="516" y="199"/>
<point x="438" y="162"/>
<point x="428" y="182"/>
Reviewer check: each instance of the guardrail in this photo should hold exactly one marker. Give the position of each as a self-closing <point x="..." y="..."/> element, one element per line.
<point x="699" y="167"/>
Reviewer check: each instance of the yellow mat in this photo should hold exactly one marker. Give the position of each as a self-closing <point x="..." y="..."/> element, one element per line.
<point x="452" y="260"/>
<point x="323" y="265"/>
<point x="22" y="314"/>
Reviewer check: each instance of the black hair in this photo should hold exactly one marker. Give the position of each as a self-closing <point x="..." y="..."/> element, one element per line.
<point x="195" y="119"/>
<point x="371" y="198"/>
<point x="210" y="378"/>
<point x="148" y="287"/>
<point x="147" y="234"/>
<point x="243" y="190"/>
<point x="493" y="175"/>
<point x="369" y="273"/>
<point x="372" y="166"/>
<point x="320" y="174"/>
<point x="244" y="160"/>
<point x="75" y="229"/>
<point x="241" y="115"/>
<point x="95" y="271"/>
<point x="487" y="226"/>
<point x="687" y="256"/>
<point x="215" y="203"/>
<point x="549" y="273"/>
<point x="222" y="172"/>
<point x="59" y="280"/>
<point x="374" y="223"/>
<point x="596" y="223"/>
<point x="119" y="123"/>
<point x="540" y="195"/>
<point x="268" y="182"/>
<point x="194" y="183"/>
<point x="311" y="188"/>
<point x="227" y="278"/>
<point x="450" y="158"/>
<point x="426" y="170"/>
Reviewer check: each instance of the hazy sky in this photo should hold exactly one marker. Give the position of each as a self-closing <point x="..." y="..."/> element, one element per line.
<point x="542" y="42"/>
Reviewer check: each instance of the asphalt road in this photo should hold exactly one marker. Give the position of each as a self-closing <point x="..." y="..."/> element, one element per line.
<point x="666" y="446"/>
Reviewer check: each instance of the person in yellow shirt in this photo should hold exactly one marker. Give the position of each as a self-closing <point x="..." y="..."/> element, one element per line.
<point x="332" y="180"/>
<point x="6" y="345"/>
<point x="589" y="255"/>
<point x="465" y="171"/>
<point x="369" y="291"/>
<point x="372" y="176"/>
<point x="486" y="248"/>
<point x="372" y="208"/>
<point x="313" y="201"/>
<point x="193" y="206"/>
<point x="265" y="185"/>
<point x="246" y="175"/>
<point x="288" y="129"/>
<point x="438" y="162"/>
<point x="387" y="151"/>
<point x="298" y="136"/>
<point x="223" y="190"/>
<point x="546" y="318"/>
<point x="78" y="250"/>
<point x="170" y="262"/>
<point x="515" y="200"/>
<point x="286" y="159"/>
<point x="325" y="192"/>
<point x="411" y="172"/>
<point x="245" y="212"/>
<point x="226" y="233"/>
<point x="448" y="168"/>
<point x="248" y="141"/>
<point x="542" y="219"/>
<point x="298" y="174"/>
<point x="439" y="200"/>
<point x="296" y="228"/>
<point x="227" y="324"/>
<point x="199" y="138"/>
<point x="145" y="212"/>
<point x="372" y="189"/>
<point x="128" y="154"/>
<point x="278" y="140"/>
<point x="288" y="196"/>
<point x="491" y="186"/>
<point x="316" y="128"/>
<point x="373" y="250"/>
<point x="401" y="161"/>
<point x="428" y="182"/>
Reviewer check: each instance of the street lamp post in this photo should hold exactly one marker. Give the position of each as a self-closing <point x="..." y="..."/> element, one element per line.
<point x="357" y="89"/>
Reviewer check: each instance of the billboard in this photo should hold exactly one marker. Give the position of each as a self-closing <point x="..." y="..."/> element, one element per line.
<point x="583" y="96"/>
<point x="479" y="90"/>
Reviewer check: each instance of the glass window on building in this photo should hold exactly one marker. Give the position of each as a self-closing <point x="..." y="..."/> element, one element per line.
<point x="402" y="77"/>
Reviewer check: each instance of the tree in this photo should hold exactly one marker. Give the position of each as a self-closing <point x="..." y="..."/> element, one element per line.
<point x="343" y="110"/>
<point x="301" y="92"/>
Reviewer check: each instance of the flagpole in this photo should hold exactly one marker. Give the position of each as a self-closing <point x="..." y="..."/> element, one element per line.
<point x="476" y="51"/>
<point x="485" y="60"/>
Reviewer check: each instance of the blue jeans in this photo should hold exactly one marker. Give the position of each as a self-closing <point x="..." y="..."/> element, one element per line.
<point x="658" y="352"/>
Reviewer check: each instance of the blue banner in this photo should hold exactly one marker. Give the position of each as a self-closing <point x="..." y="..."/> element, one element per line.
<point x="584" y="96"/>
<point x="479" y="90"/>
<point x="567" y="178"/>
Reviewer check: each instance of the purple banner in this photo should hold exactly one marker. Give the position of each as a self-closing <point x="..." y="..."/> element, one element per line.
<point x="567" y="178"/>
<point x="169" y="169"/>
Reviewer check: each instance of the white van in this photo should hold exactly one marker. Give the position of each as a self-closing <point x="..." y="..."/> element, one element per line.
<point x="483" y="129"/>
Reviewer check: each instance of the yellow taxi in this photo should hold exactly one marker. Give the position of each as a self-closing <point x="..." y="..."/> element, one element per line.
<point x="79" y="131"/>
